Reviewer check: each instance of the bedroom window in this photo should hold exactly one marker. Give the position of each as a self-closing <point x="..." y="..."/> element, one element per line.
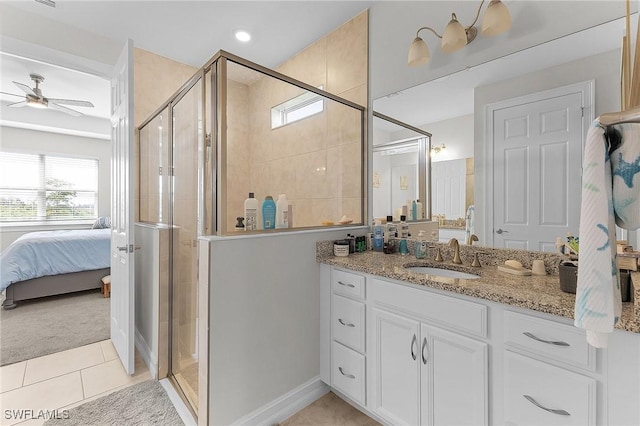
<point x="38" y="187"/>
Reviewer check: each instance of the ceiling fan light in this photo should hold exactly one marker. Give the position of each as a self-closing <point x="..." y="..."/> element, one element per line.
<point x="454" y="37"/>
<point x="37" y="103"/>
<point x="496" y="19"/>
<point x="418" y="53"/>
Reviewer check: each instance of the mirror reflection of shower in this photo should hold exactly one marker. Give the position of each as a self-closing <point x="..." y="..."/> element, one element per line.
<point x="401" y="170"/>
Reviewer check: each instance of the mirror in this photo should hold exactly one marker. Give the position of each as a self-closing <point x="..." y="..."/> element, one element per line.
<point x="460" y="103"/>
<point x="401" y="170"/>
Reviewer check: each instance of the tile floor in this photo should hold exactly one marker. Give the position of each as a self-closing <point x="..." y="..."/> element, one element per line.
<point x="63" y="380"/>
<point x="329" y="410"/>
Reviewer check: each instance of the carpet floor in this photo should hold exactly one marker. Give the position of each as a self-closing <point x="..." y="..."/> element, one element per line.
<point x="53" y="324"/>
<point x="146" y="403"/>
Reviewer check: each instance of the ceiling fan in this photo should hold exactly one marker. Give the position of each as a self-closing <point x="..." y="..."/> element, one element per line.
<point x="35" y="99"/>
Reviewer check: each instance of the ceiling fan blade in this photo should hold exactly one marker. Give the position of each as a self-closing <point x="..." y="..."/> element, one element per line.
<point x="26" y="89"/>
<point x="64" y="109"/>
<point x="18" y="104"/>
<point x="72" y="102"/>
<point x="12" y="94"/>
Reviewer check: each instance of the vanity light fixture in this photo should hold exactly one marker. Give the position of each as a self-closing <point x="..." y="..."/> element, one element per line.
<point x="242" y="35"/>
<point x="496" y="20"/>
<point x="438" y="149"/>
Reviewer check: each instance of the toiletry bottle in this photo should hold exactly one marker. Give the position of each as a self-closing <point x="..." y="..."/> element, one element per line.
<point x="282" y="212"/>
<point x="414" y="210"/>
<point x="352" y="243"/>
<point x="240" y="225"/>
<point x="392" y="228"/>
<point x="251" y="213"/>
<point x="404" y="227"/>
<point x="378" y="241"/>
<point x="419" y="210"/>
<point x="403" y="247"/>
<point x="421" y="246"/>
<point x="268" y="213"/>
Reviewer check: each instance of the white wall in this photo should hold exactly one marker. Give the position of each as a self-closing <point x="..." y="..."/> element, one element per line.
<point x="264" y="319"/>
<point x="23" y="140"/>
<point x="456" y="133"/>
<point x="603" y="68"/>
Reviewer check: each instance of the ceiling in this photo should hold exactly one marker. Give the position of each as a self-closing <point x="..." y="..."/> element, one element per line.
<point x="192" y="31"/>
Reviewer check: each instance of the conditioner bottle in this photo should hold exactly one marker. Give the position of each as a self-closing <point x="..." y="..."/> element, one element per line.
<point x="268" y="213"/>
<point x="251" y="213"/>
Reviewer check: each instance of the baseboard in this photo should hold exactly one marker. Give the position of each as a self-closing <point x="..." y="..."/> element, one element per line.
<point x="286" y="405"/>
<point x="147" y="355"/>
<point x="178" y="403"/>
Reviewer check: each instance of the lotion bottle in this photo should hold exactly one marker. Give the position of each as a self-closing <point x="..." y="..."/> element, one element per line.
<point x="251" y="213"/>
<point x="268" y="213"/>
<point x="282" y="212"/>
<point x="378" y="242"/>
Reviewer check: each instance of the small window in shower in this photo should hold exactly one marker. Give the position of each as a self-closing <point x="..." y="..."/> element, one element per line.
<point x="302" y="106"/>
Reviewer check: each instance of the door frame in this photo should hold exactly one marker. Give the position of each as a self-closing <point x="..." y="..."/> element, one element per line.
<point x="587" y="91"/>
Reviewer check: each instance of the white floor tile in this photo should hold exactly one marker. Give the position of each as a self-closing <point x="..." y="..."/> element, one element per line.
<point x="59" y="363"/>
<point x="108" y="350"/>
<point x="46" y="395"/>
<point x="11" y="376"/>
<point x="104" y="377"/>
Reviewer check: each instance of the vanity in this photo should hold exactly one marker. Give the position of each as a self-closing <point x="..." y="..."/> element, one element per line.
<point x="411" y="348"/>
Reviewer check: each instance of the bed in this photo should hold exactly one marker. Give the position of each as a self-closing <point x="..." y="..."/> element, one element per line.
<point x="48" y="263"/>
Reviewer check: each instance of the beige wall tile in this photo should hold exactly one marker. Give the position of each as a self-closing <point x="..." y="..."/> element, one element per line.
<point x="311" y="175"/>
<point x="357" y="95"/>
<point x="343" y="125"/>
<point x="347" y="53"/>
<point x="306" y="67"/>
<point x="156" y="78"/>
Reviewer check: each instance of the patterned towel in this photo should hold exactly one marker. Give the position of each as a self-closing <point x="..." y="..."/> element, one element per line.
<point x="610" y="196"/>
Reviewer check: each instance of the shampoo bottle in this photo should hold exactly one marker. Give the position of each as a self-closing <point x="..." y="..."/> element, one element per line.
<point x="268" y="213"/>
<point x="251" y="213"/>
<point x="378" y="242"/>
<point x="392" y="228"/>
<point x="282" y="212"/>
<point x="404" y="227"/>
<point x="419" y="210"/>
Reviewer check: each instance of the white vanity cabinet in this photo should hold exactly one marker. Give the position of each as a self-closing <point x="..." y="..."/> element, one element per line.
<point x="420" y="372"/>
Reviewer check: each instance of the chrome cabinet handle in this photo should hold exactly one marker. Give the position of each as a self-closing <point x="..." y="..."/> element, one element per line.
<point x="424" y="346"/>
<point x="350" y="376"/>
<point x="123" y="248"/>
<point x="549" y="342"/>
<point x="550" y="410"/>
<point x="346" y="324"/>
<point x="414" y="341"/>
<point x="346" y="284"/>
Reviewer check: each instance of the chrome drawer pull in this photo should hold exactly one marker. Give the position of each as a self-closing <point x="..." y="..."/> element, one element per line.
<point x="350" y="376"/>
<point x="414" y="341"/>
<point x="550" y="342"/>
<point x="550" y="410"/>
<point x="424" y="346"/>
<point x="346" y="284"/>
<point x="345" y="324"/>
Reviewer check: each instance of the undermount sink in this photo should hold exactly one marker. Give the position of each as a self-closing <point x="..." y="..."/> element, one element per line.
<point x="441" y="272"/>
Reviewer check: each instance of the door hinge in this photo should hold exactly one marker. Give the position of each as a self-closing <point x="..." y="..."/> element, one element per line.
<point x="582" y="112"/>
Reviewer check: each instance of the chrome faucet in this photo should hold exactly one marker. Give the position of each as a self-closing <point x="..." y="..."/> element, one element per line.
<point x="456" y="251"/>
<point x="471" y="239"/>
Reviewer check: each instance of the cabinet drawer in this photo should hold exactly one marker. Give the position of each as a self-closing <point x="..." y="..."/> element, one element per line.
<point x="438" y="309"/>
<point x="347" y="372"/>
<point x="347" y="322"/>
<point x="529" y="382"/>
<point x="558" y="342"/>
<point x="347" y="284"/>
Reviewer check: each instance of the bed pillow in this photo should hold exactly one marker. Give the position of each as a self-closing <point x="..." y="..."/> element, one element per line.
<point x="102" y="222"/>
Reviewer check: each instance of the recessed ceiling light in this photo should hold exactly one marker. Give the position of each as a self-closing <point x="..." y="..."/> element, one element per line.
<point x="242" y="35"/>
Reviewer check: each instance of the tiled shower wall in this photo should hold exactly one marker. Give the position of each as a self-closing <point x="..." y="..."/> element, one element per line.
<point x="316" y="162"/>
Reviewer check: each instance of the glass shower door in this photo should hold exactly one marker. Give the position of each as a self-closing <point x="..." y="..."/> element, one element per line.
<point x="187" y="137"/>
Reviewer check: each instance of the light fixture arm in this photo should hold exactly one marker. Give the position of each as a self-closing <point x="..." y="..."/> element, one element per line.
<point x="477" y="16"/>
<point x="430" y="29"/>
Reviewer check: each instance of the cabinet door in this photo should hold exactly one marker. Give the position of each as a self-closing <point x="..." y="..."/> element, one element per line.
<point x="396" y="377"/>
<point x="453" y="379"/>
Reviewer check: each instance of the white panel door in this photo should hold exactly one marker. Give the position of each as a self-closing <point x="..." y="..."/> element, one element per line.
<point x="396" y="381"/>
<point x="537" y="157"/>
<point x="122" y="259"/>
<point x="453" y="378"/>
<point x="448" y="186"/>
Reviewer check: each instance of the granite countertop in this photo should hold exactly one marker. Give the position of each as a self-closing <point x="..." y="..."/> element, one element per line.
<point x="538" y="293"/>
